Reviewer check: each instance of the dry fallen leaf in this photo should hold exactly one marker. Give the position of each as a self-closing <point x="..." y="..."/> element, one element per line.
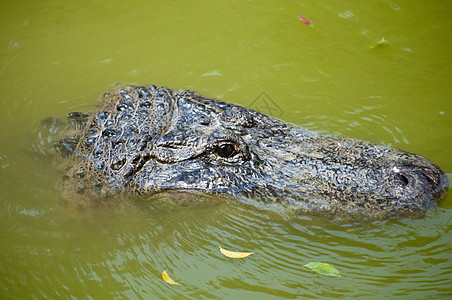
<point x="233" y="254"/>
<point x="304" y="20"/>
<point x="168" y="279"/>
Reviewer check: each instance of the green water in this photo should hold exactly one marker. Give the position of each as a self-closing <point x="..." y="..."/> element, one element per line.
<point x="57" y="57"/>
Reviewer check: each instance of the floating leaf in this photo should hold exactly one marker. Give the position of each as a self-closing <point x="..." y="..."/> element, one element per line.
<point x="304" y="20"/>
<point x="168" y="279"/>
<point x="322" y="268"/>
<point x="232" y="254"/>
<point x="381" y="43"/>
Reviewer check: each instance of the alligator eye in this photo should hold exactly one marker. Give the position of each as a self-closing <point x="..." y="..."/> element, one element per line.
<point x="403" y="179"/>
<point x="226" y="150"/>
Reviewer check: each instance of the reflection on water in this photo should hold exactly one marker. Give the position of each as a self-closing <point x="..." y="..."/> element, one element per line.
<point x="364" y="119"/>
<point x="122" y="252"/>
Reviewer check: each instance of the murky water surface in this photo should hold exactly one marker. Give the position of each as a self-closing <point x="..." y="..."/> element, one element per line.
<point x="334" y="77"/>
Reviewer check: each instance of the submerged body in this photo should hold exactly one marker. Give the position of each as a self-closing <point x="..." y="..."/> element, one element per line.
<point x="148" y="139"/>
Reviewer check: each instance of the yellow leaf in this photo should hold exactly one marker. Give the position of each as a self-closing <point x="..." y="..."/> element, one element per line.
<point x="233" y="254"/>
<point x="168" y="279"/>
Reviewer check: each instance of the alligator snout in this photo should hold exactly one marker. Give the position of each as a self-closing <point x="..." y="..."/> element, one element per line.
<point x="342" y="176"/>
<point x="417" y="185"/>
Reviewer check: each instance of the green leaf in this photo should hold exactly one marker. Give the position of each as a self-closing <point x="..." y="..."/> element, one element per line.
<point x="380" y="44"/>
<point x="322" y="268"/>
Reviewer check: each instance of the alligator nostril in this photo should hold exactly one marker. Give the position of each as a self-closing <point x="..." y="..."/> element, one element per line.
<point x="403" y="179"/>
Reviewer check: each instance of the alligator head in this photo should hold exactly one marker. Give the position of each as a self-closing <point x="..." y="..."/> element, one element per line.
<point x="146" y="140"/>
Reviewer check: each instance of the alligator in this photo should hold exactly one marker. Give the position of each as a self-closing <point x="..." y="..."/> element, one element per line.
<point x="146" y="140"/>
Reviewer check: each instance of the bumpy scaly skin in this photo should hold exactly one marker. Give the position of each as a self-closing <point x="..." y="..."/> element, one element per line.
<point x="146" y="140"/>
